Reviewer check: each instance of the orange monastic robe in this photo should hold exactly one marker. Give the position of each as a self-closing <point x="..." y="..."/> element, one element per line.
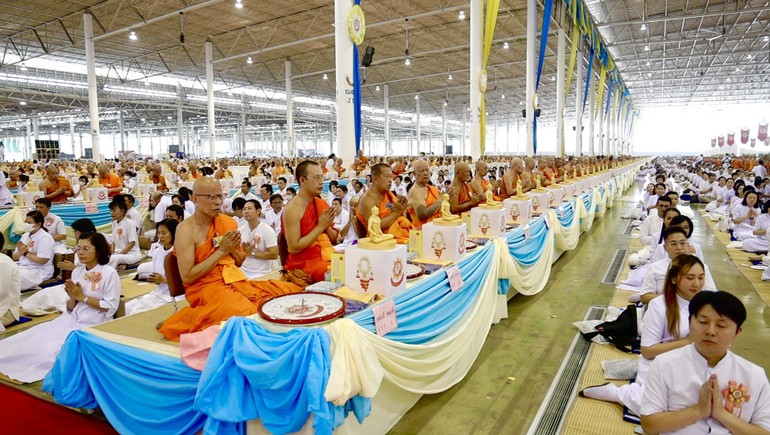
<point x="222" y="293"/>
<point x="400" y="228"/>
<point x="62" y="197"/>
<point x="432" y="196"/>
<point x="316" y="258"/>
<point x="484" y="185"/>
<point x="465" y="194"/>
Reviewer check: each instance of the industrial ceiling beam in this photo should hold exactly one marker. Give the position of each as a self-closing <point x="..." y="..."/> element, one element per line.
<point x="666" y="18"/>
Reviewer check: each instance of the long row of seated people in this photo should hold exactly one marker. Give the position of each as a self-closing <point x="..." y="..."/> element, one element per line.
<point x="687" y="379"/>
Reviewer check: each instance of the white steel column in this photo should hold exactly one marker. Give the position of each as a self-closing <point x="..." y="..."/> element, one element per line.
<point x="579" y="98"/>
<point x="591" y="117"/>
<point x="210" y="99"/>
<point x="139" y="142"/>
<point x="463" y="147"/>
<point x="180" y="119"/>
<point x="72" y="136"/>
<point x="243" y="133"/>
<point x="419" y="129"/>
<point x="443" y="128"/>
<point x="289" y="112"/>
<point x="386" y="106"/>
<point x="531" y="74"/>
<point x="477" y="57"/>
<point x="561" y="51"/>
<point x="343" y="59"/>
<point x="93" y="99"/>
<point x="603" y="148"/>
<point x="28" y="142"/>
<point x="122" y="134"/>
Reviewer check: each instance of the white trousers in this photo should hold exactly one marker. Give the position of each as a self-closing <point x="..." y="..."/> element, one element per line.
<point x="32" y="277"/>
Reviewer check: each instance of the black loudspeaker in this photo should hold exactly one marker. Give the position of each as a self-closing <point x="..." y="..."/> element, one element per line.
<point x="368" y="56"/>
<point x="524" y="113"/>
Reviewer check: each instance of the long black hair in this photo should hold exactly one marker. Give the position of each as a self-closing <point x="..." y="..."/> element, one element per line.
<point x="100" y="245"/>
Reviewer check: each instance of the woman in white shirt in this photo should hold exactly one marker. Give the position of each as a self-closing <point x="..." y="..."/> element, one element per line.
<point x="34" y="252"/>
<point x="745" y="216"/>
<point x="166" y="231"/>
<point x="757" y="240"/>
<point x="125" y="243"/>
<point x="94" y="296"/>
<point x="665" y="328"/>
<point x="704" y="387"/>
<point x="79" y="187"/>
<point x="259" y="242"/>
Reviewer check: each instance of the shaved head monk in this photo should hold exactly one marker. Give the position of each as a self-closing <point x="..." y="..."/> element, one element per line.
<point x="56" y="188"/>
<point x="461" y="198"/>
<point x="479" y="184"/>
<point x="424" y="199"/>
<point x="307" y="227"/>
<point x="391" y="207"/>
<point x="209" y="253"/>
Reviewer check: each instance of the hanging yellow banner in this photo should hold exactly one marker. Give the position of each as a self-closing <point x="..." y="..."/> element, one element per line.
<point x="572" y="57"/>
<point x="602" y="77"/>
<point x="489" y="33"/>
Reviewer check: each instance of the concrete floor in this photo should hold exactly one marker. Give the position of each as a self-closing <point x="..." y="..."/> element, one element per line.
<point x="531" y="343"/>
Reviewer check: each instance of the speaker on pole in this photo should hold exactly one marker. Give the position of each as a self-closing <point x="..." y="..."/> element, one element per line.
<point x="368" y="56"/>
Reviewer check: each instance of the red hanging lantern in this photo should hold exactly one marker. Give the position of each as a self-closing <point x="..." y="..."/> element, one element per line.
<point x="762" y="131"/>
<point x="730" y="138"/>
<point x="744" y="135"/>
<point x="721" y="141"/>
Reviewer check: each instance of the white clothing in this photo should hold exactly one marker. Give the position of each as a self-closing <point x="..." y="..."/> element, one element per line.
<point x="159" y="213"/>
<point x="55" y="227"/>
<point x="755" y="243"/>
<point x="339" y="223"/>
<point x="341" y="220"/>
<point x="330" y="165"/>
<point x="247" y="196"/>
<point x="10" y="287"/>
<point x="759" y="171"/>
<point x="274" y="219"/>
<point x="676" y="377"/>
<point x="401" y="190"/>
<point x="651" y="201"/>
<point x="263" y="236"/>
<point x="189" y="207"/>
<point x="123" y="233"/>
<point x="42" y="245"/>
<point x="650" y="226"/>
<point x="134" y="215"/>
<point x="29" y="355"/>
<point x="159" y="296"/>
<point x="655" y="279"/>
<point x="654" y="331"/>
<point x="5" y="193"/>
<point x="745" y="229"/>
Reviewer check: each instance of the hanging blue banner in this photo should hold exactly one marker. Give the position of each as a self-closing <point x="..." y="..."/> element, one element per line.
<point x="547" y="8"/>
<point x="588" y="79"/>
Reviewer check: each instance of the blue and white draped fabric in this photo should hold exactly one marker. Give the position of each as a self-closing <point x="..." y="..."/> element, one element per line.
<point x="283" y="378"/>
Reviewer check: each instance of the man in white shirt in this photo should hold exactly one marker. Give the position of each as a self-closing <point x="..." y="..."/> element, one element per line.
<point x="132" y="213"/>
<point x="282" y="183"/>
<point x="265" y="192"/>
<point x="675" y="244"/>
<point x="704" y="387"/>
<point x="274" y="213"/>
<point x="654" y="222"/>
<point x="245" y="191"/>
<point x="10" y="289"/>
<point x="330" y="163"/>
<point x="760" y="170"/>
<point x="342" y="223"/>
<point x="53" y="224"/>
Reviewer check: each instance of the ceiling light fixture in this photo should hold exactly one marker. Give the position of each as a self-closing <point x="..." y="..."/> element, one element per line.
<point x="450" y="76"/>
<point x="461" y="15"/>
<point x="239" y="4"/>
<point x="22" y="103"/>
<point x="644" y="27"/>
<point x="249" y="60"/>
<point x="646" y="48"/>
<point x="407" y="62"/>
<point x="748" y="56"/>
<point x="377" y="88"/>
<point x="132" y="36"/>
<point x="141" y="119"/>
<point x="502" y="97"/>
<point x="649" y="74"/>
<point x="325" y="76"/>
<point x="417" y="97"/>
<point x="506" y="45"/>
<point x="553" y="78"/>
<point x="648" y="63"/>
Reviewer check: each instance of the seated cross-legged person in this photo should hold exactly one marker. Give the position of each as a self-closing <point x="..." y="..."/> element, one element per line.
<point x="654" y="221"/>
<point x="665" y="327"/>
<point x="209" y="253"/>
<point x="166" y="230"/>
<point x="258" y="241"/>
<point x="703" y="387"/>
<point x="757" y="240"/>
<point x="10" y="289"/>
<point x="745" y="215"/>
<point x="675" y="243"/>
<point x="125" y="242"/>
<point x="693" y="249"/>
<point x="55" y="297"/>
<point x="34" y="252"/>
<point x="94" y="296"/>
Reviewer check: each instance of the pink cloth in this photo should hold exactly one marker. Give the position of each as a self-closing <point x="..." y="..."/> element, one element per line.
<point x="194" y="347"/>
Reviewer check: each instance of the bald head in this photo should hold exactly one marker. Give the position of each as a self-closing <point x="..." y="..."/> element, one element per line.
<point x="517" y="165"/>
<point x="204" y="184"/>
<point x="421" y="172"/>
<point x="530" y="163"/>
<point x="462" y="172"/>
<point x="481" y="167"/>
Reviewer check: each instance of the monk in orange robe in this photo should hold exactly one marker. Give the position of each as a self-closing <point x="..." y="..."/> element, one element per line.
<point x="392" y="208"/>
<point x="461" y="198"/>
<point x="307" y="227"/>
<point x="109" y="180"/>
<point x="400" y="167"/>
<point x="56" y="188"/>
<point x="424" y="199"/>
<point x="479" y="184"/>
<point x="157" y="179"/>
<point x="208" y="248"/>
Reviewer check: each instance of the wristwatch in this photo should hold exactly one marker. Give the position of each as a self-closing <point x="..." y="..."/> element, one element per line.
<point x="85" y="300"/>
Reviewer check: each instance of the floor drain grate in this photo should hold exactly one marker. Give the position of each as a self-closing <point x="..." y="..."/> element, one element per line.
<point x="629" y="228"/>
<point x="612" y="272"/>
<point x="562" y="392"/>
